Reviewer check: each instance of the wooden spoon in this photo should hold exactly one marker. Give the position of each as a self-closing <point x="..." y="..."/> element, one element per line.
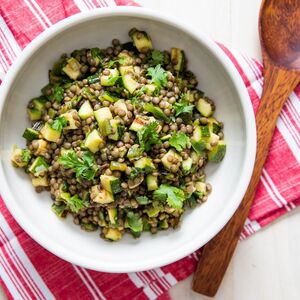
<point x="279" y="29"/>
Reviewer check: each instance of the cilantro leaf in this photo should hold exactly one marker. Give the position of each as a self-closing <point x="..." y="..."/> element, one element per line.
<point x="111" y="80"/>
<point x="26" y="155"/>
<point x="97" y="53"/>
<point x="75" y="204"/>
<point x="121" y="61"/>
<point x="84" y="167"/>
<point x="173" y="195"/>
<point x="179" y="141"/>
<point x="58" y="93"/>
<point x="157" y="58"/>
<point x="59" y="123"/>
<point x="148" y="136"/>
<point x="135" y="222"/>
<point x="142" y="200"/>
<point x="183" y="106"/>
<point x="158" y="76"/>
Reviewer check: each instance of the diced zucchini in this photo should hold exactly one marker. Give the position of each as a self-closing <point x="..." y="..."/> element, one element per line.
<point x="38" y="167"/>
<point x="72" y="68"/>
<point x="140" y="121"/>
<point x="214" y="125"/>
<point x="103" y="115"/>
<point x="218" y="152"/>
<point x="117" y="166"/>
<point x="156" y="111"/>
<point x="141" y="40"/>
<point x="154" y="210"/>
<point x="101" y="196"/>
<point x="20" y="157"/>
<point x="127" y="60"/>
<point x="113" y="234"/>
<point x="39" y="103"/>
<point x="30" y="134"/>
<point x="204" y="107"/>
<point x="60" y="210"/>
<point x="111" y="79"/>
<point x="201" y="187"/>
<point x="50" y="134"/>
<point x="152" y="183"/>
<point x="111" y="184"/>
<point x="187" y="165"/>
<point x="149" y="89"/>
<point x="94" y="141"/>
<point x="117" y="130"/>
<point x="213" y="139"/>
<point x="120" y="104"/>
<point x="198" y="141"/>
<point x="127" y="73"/>
<point x="52" y="113"/>
<point x="85" y="110"/>
<point x="34" y="114"/>
<point x="134" y="152"/>
<point x="112" y="215"/>
<point x="89" y="227"/>
<point x="168" y="160"/>
<point x="71" y="116"/>
<point x="102" y="219"/>
<point x="108" y="97"/>
<point x="40" y="181"/>
<point x="195" y="157"/>
<point x="144" y="163"/>
<point x="177" y="59"/>
<point x="40" y="147"/>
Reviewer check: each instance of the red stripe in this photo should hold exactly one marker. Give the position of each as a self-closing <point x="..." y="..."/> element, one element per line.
<point x="6" y="290"/>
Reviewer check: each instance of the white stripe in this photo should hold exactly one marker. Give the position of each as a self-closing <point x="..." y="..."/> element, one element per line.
<point x="143" y="277"/>
<point x="295" y="111"/>
<point x="41" y="12"/>
<point x="25" y="260"/>
<point x="88" y="4"/>
<point x="273" y="186"/>
<point x="44" y="25"/>
<point x="171" y="279"/>
<point x="136" y="280"/>
<point x="101" y="4"/>
<point x="12" y="41"/>
<point x="6" y="47"/>
<point x="81" y="5"/>
<point x="18" y="266"/>
<point x="149" y="293"/>
<point x="291" y="126"/>
<point x="242" y="237"/>
<point x="159" y="278"/>
<point x="196" y="257"/>
<point x="9" y="284"/>
<point x="85" y="282"/>
<point x="293" y="205"/>
<point x="157" y="288"/>
<point x="270" y="192"/>
<point x="90" y="279"/>
<point x="13" y="276"/>
<point x="92" y="3"/>
<point x="4" y="62"/>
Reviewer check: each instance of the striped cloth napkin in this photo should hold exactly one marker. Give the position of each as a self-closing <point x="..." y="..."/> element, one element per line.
<point x="28" y="271"/>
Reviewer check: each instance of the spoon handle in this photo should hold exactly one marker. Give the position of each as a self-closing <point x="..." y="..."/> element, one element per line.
<point x="217" y="253"/>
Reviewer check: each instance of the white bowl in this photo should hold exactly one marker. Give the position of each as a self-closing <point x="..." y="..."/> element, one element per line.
<point x="217" y="77"/>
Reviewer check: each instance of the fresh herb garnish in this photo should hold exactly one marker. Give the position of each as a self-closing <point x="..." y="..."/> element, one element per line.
<point x="121" y="61"/>
<point x="58" y="93"/>
<point x="97" y="53"/>
<point x="75" y="204"/>
<point x="59" y="123"/>
<point x="143" y="200"/>
<point x="173" y="195"/>
<point x="85" y="167"/>
<point x="183" y="106"/>
<point x="111" y="80"/>
<point x="179" y="141"/>
<point x="138" y="171"/>
<point x="93" y="79"/>
<point x="148" y="136"/>
<point x="158" y="58"/>
<point x="134" y="221"/>
<point x="158" y="76"/>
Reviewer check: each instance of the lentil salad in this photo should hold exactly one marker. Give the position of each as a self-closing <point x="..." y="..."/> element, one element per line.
<point x="120" y="137"/>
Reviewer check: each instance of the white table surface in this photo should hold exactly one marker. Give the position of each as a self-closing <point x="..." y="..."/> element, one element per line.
<point x="267" y="265"/>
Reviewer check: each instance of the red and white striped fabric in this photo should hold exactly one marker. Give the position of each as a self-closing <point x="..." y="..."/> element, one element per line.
<point x="28" y="271"/>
